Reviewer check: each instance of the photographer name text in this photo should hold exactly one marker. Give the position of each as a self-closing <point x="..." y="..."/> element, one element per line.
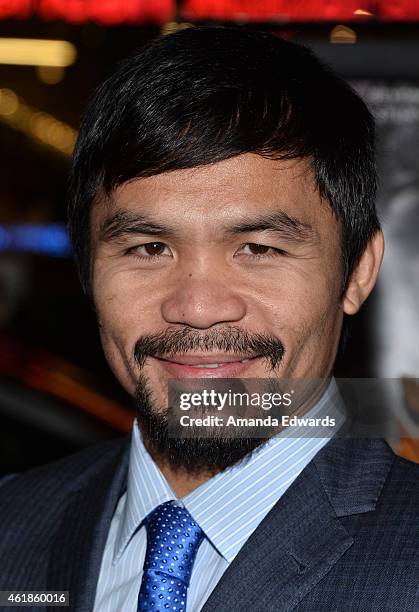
<point x="268" y="421"/>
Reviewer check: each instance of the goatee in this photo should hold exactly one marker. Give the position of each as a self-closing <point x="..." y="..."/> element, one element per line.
<point x="192" y="454"/>
<point x="196" y="454"/>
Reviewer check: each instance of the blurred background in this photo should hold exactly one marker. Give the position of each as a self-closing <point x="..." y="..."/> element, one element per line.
<point x="57" y="393"/>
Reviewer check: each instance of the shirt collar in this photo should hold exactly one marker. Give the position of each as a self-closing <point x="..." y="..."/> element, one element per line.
<point x="261" y="478"/>
<point x="147" y="488"/>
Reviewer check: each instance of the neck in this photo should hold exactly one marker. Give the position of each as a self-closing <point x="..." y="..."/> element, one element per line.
<point x="183" y="482"/>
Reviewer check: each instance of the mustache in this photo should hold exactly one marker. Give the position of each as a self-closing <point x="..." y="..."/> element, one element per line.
<point x="232" y="339"/>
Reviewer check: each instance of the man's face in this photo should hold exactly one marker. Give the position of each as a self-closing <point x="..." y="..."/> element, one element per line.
<point x="231" y="270"/>
<point x="215" y="265"/>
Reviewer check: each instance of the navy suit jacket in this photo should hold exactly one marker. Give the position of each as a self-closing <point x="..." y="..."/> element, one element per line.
<point x="344" y="537"/>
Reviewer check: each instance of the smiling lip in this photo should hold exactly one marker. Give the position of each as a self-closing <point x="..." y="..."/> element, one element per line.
<point x="223" y="366"/>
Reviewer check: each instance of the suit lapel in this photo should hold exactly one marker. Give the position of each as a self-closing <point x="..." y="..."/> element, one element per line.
<point x="296" y="544"/>
<point x="302" y="537"/>
<point x="77" y="550"/>
<point x="290" y="551"/>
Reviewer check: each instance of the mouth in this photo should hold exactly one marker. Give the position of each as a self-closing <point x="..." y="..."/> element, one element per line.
<point x="206" y="366"/>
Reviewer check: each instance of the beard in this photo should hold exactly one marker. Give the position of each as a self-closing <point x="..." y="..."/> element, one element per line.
<point x="196" y="454"/>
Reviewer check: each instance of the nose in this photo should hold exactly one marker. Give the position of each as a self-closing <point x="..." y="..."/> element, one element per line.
<point x="202" y="301"/>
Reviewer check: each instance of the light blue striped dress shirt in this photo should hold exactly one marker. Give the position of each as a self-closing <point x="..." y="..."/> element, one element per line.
<point x="228" y="508"/>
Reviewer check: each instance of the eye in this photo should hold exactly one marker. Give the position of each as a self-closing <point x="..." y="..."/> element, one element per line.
<point x="149" y="250"/>
<point x="259" y="251"/>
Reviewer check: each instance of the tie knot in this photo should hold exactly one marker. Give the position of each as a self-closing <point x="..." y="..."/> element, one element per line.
<point x="173" y="538"/>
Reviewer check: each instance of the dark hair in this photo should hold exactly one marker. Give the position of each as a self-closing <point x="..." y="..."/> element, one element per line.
<point x="205" y="94"/>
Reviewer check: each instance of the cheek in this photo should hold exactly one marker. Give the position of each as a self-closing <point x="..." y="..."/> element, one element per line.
<point x="112" y="295"/>
<point x="316" y="337"/>
<point x="118" y="357"/>
<point x="113" y="320"/>
<point x="124" y="297"/>
<point x="119" y="328"/>
<point x="298" y="300"/>
<point x="304" y="312"/>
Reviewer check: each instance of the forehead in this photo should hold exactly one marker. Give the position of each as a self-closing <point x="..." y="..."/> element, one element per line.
<point x="204" y="196"/>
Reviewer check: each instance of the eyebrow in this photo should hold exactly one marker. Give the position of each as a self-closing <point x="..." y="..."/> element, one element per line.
<point x="123" y="223"/>
<point x="279" y="222"/>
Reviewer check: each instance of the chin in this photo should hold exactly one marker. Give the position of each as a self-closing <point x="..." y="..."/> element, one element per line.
<point x="193" y="454"/>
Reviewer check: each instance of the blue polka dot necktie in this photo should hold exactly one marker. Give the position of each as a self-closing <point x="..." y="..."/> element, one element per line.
<point x="173" y="538"/>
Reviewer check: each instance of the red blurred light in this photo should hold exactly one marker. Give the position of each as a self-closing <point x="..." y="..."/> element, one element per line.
<point x="111" y="12"/>
<point x="107" y="11"/>
<point x="275" y="10"/>
<point x="399" y="10"/>
<point x="19" y="9"/>
<point x="79" y="11"/>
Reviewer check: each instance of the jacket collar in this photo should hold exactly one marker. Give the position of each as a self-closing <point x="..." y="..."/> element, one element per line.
<point x="353" y="473"/>
<point x="302" y="537"/>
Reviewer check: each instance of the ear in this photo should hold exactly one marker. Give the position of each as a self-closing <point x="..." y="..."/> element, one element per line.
<point x="364" y="276"/>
